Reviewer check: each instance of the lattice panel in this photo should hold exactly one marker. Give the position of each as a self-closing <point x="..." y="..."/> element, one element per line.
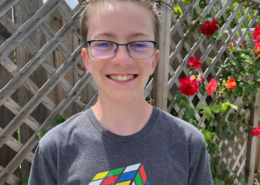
<point x="57" y="74"/>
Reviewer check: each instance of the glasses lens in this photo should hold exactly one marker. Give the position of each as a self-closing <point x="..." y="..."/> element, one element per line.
<point x="141" y="50"/>
<point x="103" y="49"/>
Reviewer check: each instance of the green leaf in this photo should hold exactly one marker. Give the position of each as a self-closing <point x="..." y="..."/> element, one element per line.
<point x="207" y="134"/>
<point x="231" y="105"/>
<point x="257" y="74"/>
<point x="182" y="101"/>
<point x="249" y="61"/>
<point x="60" y="119"/>
<point x="54" y="123"/>
<point x="247" y="88"/>
<point x="231" y="116"/>
<point x="221" y="183"/>
<point x="235" y="127"/>
<point x="251" y="71"/>
<point x="189" y="111"/>
<point x="202" y="90"/>
<point x="25" y="182"/>
<point x="41" y="133"/>
<point x="189" y="115"/>
<point x="210" y="58"/>
<point x="245" y="99"/>
<point x="248" y="130"/>
<point x="222" y="108"/>
<point x="205" y="110"/>
<point x="245" y="120"/>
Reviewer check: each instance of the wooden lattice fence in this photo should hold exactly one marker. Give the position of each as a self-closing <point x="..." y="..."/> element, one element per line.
<point x="42" y="74"/>
<point x="233" y="152"/>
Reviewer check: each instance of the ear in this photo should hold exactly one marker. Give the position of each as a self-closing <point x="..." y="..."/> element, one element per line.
<point x="155" y="61"/>
<point x="86" y="60"/>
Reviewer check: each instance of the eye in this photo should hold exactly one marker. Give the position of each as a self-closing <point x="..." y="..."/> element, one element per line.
<point x="103" y="44"/>
<point x="139" y="45"/>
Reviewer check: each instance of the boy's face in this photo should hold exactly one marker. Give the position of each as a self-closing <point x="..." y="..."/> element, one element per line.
<point x="121" y="78"/>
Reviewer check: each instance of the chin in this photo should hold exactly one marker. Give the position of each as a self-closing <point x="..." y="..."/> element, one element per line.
<point x="126" y="97"/>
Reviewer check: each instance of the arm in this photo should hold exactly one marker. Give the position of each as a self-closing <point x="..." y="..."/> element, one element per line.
<point x="199" y="172"/>
<point x="42" y="172"/>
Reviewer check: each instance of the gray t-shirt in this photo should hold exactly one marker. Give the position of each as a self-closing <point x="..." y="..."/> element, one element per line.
<point x="80" y="151"/>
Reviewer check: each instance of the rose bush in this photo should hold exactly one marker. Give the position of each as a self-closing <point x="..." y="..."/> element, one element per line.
<point x="216" y="122"/>
<point x="239" y="66"/>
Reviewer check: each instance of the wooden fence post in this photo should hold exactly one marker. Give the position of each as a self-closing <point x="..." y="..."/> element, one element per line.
<point x="161" y="82"/>
<point x="251" y="145"/>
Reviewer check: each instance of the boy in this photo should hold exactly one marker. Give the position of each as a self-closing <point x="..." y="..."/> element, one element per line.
<point x="122" y="139"/>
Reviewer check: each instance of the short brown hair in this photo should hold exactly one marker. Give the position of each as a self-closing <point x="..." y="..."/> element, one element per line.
<point x="91" y="4"/>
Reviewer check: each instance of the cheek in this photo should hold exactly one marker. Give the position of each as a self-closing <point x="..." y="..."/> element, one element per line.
<point x="97" y="67"/>
<point x="147" y="68"/>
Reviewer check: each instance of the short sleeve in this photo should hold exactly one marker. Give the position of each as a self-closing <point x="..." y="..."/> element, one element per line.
<point x="199" y="171"/>
<point x="42" y="171"/>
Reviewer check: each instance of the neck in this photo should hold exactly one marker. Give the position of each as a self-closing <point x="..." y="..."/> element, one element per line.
<point x="122" y="118"/>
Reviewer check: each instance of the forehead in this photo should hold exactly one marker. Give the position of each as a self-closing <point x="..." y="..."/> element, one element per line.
<point x="120" y="20"/>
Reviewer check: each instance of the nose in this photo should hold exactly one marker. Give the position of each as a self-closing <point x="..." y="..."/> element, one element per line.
<point x="122" y="57"/>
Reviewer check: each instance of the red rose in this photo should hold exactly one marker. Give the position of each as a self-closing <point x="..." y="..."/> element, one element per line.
<point x="257" y="48"/>
<point x="188" y="86"/>
<point x="212" y="86"/>
<point x="257" y="33"/>
<point x="209" y="28"/>
<point x="231" y="84"/>
<point x="194" y="63"/>
<point x="255" y="131"/>
<point x="200" y="79"/>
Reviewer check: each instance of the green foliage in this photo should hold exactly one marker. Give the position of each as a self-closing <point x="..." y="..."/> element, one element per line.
<point x="205" y="110"/>
<point x="181" y="100"/>
<point x="59" y="119"/>
<point x="25" y="182"/>
<point x="207" y="134"/>
<point x="220" y="108"/>
<point x="41" y="133"/>
<point x="188" y="2"/>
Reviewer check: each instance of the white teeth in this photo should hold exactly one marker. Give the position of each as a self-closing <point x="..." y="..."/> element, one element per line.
<point x="122" y="78"/>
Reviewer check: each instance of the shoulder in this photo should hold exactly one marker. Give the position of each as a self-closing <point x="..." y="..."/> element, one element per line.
<point x="178" y="128"/>
<point x="59" y="135"/>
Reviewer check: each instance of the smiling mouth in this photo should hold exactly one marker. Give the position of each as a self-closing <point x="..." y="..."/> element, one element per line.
<point x="122" y="78"/>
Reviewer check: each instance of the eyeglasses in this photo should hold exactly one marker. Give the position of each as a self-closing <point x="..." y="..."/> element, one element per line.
<point x="103" y="49"/>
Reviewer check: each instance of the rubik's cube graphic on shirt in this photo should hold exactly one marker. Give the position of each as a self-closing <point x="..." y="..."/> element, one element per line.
<point x="130" y="175"/>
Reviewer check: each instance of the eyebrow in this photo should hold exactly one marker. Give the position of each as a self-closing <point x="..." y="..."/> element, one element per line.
<point x="110" y="35"/>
